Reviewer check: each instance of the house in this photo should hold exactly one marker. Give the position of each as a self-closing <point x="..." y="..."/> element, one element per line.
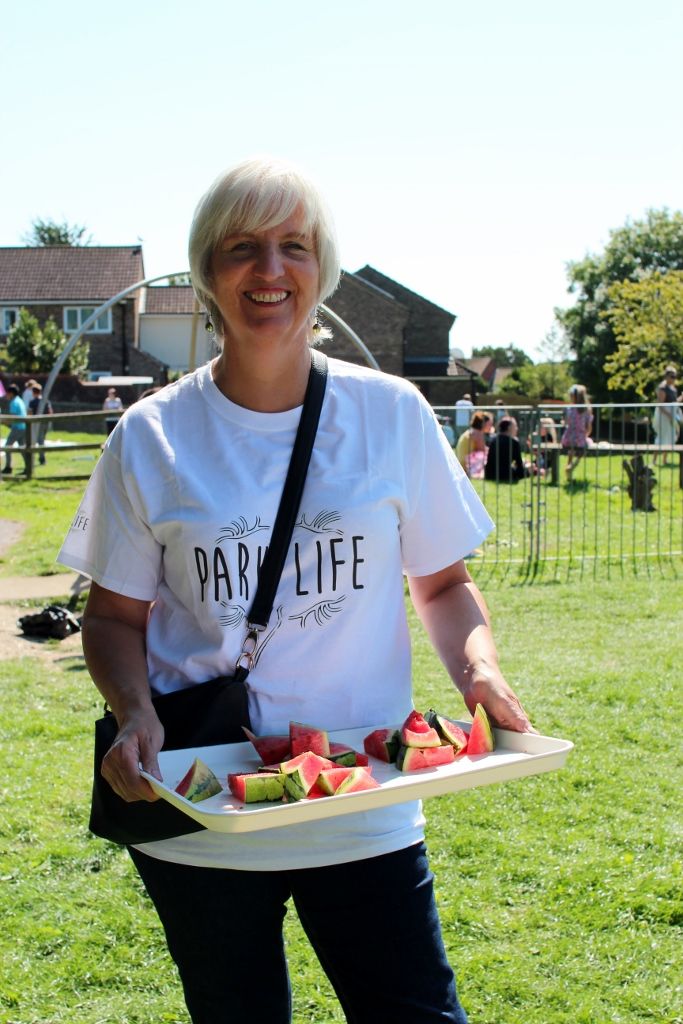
<point x="66" y="284"/>
<point x="157" y="329"/>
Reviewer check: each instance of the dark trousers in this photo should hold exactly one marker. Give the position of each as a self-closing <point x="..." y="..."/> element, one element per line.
<point x="372" y="923"/>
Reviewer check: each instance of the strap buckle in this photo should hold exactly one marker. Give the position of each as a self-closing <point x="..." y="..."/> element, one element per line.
<point x="247" y="654"/>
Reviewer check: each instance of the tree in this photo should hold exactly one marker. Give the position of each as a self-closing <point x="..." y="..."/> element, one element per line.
<point x="647" y="320"/>
<point x="49" y="232"/>
<point x="634" y="251"/>
<point x="32" y="349"/>
<point x="510" y="356"/>
<point x="539" y="382"/>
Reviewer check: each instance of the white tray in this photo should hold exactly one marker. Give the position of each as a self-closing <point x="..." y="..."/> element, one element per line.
<point x="516" y="755"/>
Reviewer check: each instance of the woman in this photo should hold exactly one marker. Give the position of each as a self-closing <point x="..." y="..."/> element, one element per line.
<point x="578" y="425"/>
<point x="666" y="419"/>
<point x="178" y="513"/>
<point x="471" y="447"/>
<point x="112" y="403"/>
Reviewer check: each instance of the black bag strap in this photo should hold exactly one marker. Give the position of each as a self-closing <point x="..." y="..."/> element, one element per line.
<point x="274" y="560"/>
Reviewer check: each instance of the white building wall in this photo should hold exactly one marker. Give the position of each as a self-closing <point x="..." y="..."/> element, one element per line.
<point x="167" y="336"/>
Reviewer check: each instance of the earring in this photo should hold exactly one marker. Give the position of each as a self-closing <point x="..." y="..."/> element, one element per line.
<point x="317" y="326"/>
<point x="208" y="324"/>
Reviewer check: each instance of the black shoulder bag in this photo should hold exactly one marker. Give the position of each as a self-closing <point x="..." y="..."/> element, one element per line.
<point x="215" y="711"/>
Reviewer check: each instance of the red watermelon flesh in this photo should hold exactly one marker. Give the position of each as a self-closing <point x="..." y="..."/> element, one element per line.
<point x="302" y="772"/>
<point x="270" y="749"/>
<point x="417" y="732"/>
<point x="199" y="783"/>
<point x="307" y="737"/>
<point x="331" y="778"/>
<point x="382" y="744"/>
<point x="316" y="791"/>
<point x="346" y="756"/>
<point x="481" y="740"/>
<point x="356" y="782"/>
<point x="411" y="759"/>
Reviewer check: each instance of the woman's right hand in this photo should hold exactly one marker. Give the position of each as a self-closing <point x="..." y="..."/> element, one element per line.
<point x="138" y="741"/>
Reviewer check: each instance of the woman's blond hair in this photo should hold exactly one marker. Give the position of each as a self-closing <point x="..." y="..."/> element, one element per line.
<point x="256" y="195"/>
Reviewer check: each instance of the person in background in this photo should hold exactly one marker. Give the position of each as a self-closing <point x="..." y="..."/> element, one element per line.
<point x="578" y="425"/>
<point x="28" y="391"/>
<point x="17" y="432"/>
<point x="471" y="447"/>
<point x="504" y="462"/>
<point x="112" y="403"/>
<point x="667" y="415"/>
<point x="33" y="407"/>
<point x="500" y="411"/>
<point x="447" y="429"/>
<point x="462" y="414"/>
<point x="385" y="485"/>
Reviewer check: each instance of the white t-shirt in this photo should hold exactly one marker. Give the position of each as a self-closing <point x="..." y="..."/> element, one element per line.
<point x="179" y="511"/>
<point x="463" y="411"/>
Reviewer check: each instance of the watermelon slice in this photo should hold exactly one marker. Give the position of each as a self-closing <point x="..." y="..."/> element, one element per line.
<point x="481" y="740"/>
<point x="301" y="773"/>
<point x="448" y="730"/>
<point x="199" y="783"/>
<point x="269" y="748"/>
<point x="416" y="732"/>
<point x="382" y="744"/>
<point x="356" y="782"/>
<point x="346" y="756"/>
<point x="411" y="759"/>
<point x="331" y="778"/>
<point x="256" y="787"/>
<point x="307" y="737"/>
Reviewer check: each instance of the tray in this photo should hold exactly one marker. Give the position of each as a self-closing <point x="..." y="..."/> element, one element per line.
<point x="516" y="755"/>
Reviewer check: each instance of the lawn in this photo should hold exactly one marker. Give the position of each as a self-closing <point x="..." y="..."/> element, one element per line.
<point x="560" y="895"/>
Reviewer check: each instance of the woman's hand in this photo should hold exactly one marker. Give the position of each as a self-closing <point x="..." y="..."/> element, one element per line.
<point x="138" y="741"/>
<point x="486" y="685"/>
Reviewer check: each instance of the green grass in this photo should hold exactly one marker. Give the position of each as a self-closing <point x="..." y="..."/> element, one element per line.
<point x="561" y="895"/>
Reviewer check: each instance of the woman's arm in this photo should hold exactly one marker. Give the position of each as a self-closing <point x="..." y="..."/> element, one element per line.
<point x="456" y="618"/>
<point x="114" y="645"/>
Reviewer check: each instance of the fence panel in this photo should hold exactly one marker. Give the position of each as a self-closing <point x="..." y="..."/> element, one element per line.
<point x="621" y="503"/>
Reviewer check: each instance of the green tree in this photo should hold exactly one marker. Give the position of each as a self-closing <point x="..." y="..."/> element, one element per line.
<point x="32" y="349"/>
<point x="49" y="232"/>
<point x="639" y="248"/>
<point x="23" y="343"/>
<point x="647" y="320"/>
<point x="52" y="342"/>
<point x="504" y="356"/>
<point x="539" y="382"/>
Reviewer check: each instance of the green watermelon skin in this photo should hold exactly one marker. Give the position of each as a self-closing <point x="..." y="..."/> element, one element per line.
<point x="301" y="773"/>
<point x="448" y="730"/>
<point x="199" y="783"/>
<point x="481" y="739"/>
<point x="256" y="787"/>
<point x="412" y="759"/>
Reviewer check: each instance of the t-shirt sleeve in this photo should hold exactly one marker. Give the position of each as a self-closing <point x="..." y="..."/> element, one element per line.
<point x="109" y="538"/>
<point x="443" y="518"/>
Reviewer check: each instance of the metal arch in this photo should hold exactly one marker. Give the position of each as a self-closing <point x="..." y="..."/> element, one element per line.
<point x="83" y="329"/>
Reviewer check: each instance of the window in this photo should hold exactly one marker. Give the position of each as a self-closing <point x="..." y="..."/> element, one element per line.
<point x="75" y="317"/>
<point x="8" y="318"/>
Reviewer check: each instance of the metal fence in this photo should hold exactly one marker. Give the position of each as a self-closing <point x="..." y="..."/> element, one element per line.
<point x="621" y="507"/>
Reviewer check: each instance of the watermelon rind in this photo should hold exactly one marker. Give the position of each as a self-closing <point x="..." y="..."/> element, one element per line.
<point x="481" y="739"/>
<point x="302" y="772"/>
<point x="412" y="759"/>
<point x="357" y="781"/>
<point x="199" y="783"/>
<point x="448" y="730"/>
<point x="255" y="787"/>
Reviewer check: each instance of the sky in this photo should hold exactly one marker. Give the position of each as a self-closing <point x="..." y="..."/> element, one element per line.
<point x="469" y="151"/>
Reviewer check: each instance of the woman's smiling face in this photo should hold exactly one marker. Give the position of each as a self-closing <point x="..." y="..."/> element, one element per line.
<point x="266" y="283"/>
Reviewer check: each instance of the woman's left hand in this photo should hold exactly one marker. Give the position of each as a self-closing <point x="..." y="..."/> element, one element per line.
<point x="487" y="686"/>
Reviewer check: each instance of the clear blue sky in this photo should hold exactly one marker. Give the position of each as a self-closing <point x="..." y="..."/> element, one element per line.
<point x="469" y="151"/>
